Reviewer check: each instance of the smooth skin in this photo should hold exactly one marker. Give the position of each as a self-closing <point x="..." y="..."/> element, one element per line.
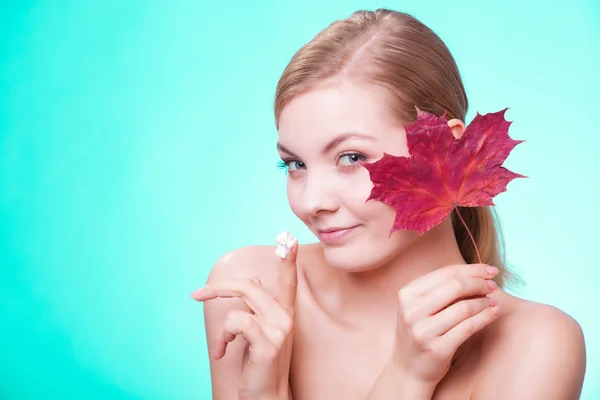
<point x="372" y="316"/>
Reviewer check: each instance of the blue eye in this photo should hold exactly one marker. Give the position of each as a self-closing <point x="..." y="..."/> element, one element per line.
<point x="286" y="164"/>
<point x="353" y="159"/>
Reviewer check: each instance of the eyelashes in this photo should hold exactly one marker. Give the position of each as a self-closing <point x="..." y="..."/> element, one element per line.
<point x="285" y="164"/>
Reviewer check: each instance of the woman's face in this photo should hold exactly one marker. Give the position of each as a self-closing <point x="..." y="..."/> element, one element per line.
<point x="322" y="136"/>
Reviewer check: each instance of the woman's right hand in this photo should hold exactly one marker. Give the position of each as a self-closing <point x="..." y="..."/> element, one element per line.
<point x="437" y="313"/>
<point x="268" y="329"/>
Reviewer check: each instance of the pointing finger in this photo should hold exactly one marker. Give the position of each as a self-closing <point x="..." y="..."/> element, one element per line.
<point x="287" y="282"/>
<point x="252" y="294"/>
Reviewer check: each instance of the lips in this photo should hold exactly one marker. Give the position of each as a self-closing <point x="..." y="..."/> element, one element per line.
<point x="334" y="235"/>
<point x="330" y="230"/>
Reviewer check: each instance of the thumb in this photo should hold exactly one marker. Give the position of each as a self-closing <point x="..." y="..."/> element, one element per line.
<point x="287" y="281"/>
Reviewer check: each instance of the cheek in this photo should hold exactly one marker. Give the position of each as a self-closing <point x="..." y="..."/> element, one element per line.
<point x="293" y="195"/>
<point x="373" y="211"/>
<point x="379" y="218"/>
<point x="357" y="189"/>
<point x="383" y="246"/>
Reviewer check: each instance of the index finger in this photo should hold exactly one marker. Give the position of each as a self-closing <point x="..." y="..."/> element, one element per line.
<point x="440" y="276"/>
<point x="287" y="281"/>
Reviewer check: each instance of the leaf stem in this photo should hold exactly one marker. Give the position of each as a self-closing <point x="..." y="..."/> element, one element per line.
<point x="470" y="235"/>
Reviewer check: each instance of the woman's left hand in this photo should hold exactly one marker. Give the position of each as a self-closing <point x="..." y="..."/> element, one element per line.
<point x="437" y="313"/>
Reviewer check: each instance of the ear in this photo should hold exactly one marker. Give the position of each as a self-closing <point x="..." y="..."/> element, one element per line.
<point x="457" y="127"/>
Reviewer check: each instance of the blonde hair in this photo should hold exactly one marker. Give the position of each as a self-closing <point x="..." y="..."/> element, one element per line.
<point x="394" y="50"/>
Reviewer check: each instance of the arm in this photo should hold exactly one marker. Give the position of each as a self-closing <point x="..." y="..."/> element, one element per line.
<point x="543" y="357"/>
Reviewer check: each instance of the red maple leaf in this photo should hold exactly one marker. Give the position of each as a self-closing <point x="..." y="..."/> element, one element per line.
<point x="443" y="172"/>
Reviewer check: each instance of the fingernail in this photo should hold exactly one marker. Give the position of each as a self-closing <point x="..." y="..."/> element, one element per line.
<point x="492" y="270"/>
<point x="196" y="292"/>
<point x="492" y="285"/>
<point x="493" y="301"/>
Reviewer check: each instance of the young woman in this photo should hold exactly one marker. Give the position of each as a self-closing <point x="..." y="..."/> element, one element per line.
<point x="362" y="314"/>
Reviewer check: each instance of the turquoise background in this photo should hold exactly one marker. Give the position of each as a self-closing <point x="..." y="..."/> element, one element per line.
<point x="137" y="145"/>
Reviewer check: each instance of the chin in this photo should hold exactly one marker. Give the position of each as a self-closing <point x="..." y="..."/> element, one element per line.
<point x="348" y="259"/>
<point x="359" y="256"/>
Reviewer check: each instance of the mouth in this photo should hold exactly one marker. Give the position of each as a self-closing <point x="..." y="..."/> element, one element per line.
<point x="334" y="235"/>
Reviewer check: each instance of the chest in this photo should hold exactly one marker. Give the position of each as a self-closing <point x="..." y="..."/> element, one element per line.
<point x="332" y="362"/>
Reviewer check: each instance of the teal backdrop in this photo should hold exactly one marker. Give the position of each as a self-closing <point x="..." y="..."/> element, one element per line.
<point x="137" y="145"/>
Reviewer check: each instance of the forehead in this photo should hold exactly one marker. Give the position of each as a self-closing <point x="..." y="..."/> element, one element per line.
<point x="334" y="107"/>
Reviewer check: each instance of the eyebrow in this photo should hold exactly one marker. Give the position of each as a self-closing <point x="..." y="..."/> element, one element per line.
<point x="334" y="142"/>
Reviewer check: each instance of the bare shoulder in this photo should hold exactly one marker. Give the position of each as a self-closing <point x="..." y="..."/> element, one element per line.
<point x="255" y="261"/>
<point x="532" y="350"/>
<point x="246" y="262"/>
<point x="520" y="319"/>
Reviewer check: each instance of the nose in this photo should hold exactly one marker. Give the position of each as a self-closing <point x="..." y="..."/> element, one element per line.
<point x="320" y="194"/>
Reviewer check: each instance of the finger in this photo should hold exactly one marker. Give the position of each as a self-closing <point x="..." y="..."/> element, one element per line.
<point x="455" y="290"/>
<point x="237" y="317"/>
<point x="441" y="276"/>
<point x="226" y="336"/>
<point x="465" y="329"/>
<point x="245" y="324"/>
<point x="448" y="318"/>
<point x="259" y="301"/>
<point x="287" y="282"/>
